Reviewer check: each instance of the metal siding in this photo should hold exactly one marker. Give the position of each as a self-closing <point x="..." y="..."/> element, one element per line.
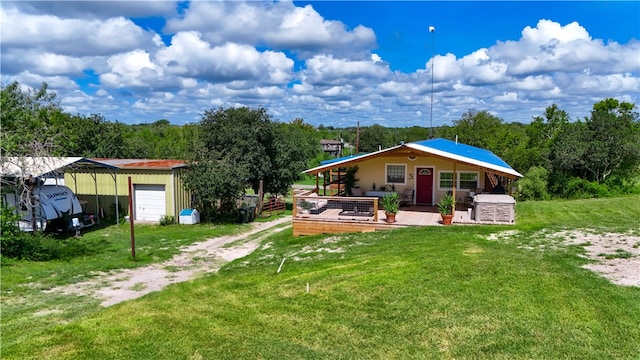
<point x="182" y="196"/>
<point x="106" y="187"/>
<point x="104" y="179"/>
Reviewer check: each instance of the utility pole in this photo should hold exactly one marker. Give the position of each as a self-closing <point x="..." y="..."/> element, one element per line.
<point x="358" y="137"/>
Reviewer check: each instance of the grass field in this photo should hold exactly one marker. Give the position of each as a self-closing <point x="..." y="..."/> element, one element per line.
<point x="418" y="293"/>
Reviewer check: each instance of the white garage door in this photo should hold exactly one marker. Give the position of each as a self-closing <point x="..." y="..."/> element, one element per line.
<point x="149" y="202"/>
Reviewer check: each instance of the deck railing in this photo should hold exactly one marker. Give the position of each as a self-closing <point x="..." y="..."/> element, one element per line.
<point x="311" y="206"/>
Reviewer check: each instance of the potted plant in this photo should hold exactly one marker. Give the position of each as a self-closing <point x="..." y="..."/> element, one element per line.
<point x="391" y="205"/>
<point x="446" y="205"/>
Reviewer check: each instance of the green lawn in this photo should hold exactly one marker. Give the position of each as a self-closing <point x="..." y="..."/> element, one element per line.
<point x="419" y="293"/>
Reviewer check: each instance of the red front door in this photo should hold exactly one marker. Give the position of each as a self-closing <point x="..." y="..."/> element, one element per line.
<point x="424" y="186"/>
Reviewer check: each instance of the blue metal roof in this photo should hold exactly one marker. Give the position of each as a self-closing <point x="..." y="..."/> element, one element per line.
<point x="443" y="148"/>
<point x="464" y="150"/>
<point x="331" y="161"/>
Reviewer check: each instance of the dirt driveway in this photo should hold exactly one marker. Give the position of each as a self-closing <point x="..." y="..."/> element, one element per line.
<point x="199" y="258"/>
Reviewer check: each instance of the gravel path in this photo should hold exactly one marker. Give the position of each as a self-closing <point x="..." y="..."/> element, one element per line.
<point x="199" y="258"/>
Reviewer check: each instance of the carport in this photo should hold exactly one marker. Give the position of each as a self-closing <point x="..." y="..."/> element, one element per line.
<point x="51" y="169"/>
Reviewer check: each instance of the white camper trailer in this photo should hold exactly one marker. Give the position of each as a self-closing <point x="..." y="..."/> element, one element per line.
<point x="53" y="207"/>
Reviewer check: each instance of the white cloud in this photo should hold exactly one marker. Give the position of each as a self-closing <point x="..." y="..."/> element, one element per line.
<point x="295" y="61"/>
<point x="71" y="37"/>
<point x="189" y="55"/>
<point x="507" y="97"/>
<point x="132" y="69"/>
<point x="552" y="47"/>
<point x="325" y="69"/>
<point x="534" y="83"/>
<point x="279" y="25"/>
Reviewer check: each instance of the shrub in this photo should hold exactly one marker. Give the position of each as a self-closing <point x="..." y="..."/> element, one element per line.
<point x="578" y="188"/>
<point x="19" y="245"/>
<point x="167" y="220"/>
<point x="534" y="184"/>
<point x="622" y="186"/>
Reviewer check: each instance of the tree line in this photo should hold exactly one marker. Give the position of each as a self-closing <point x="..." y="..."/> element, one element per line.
<point x="232" y="149"/>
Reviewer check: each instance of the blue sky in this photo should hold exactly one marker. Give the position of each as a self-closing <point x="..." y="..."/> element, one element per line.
<point x="328" y="62"/>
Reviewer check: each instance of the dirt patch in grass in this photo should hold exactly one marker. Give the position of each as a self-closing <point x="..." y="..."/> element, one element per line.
<point x="613" y="255"/>
<point x="616" y="256"/>
<point x="203" y="257"/>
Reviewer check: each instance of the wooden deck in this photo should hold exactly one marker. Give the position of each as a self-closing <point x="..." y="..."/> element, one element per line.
<point x="331" y="221"/>
<point x="331" y="215"/>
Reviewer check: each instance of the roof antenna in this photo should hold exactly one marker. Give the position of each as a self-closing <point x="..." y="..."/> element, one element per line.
<point x="432" y="30"/>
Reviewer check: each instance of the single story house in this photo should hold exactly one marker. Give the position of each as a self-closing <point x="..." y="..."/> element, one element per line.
<point x="430" y="168"/>
<point x="422" y="172"/>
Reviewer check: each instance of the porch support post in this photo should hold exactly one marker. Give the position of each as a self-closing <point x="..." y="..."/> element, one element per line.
<point x="375" y="210"/>
<point x="75" y="182"/>
<point x="318" y="183"/>
<point x="115" y="187"/>
<point x="455" y="185"/>
<point x="324" y="182"/>
<point x="294" y="209"/>
<point x="95" y="183"/>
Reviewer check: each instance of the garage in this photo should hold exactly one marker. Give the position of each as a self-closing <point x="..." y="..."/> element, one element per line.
<point x="149" y="202"/>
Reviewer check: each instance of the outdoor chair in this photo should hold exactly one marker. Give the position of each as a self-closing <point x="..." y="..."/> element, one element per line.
<point x="406" y="197"/>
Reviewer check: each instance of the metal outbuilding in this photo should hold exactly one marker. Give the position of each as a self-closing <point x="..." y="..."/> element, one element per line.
<point x="102" y="184"/>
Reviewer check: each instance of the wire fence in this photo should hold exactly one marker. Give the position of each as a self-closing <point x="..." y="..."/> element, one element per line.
<point x="309" y="205"/>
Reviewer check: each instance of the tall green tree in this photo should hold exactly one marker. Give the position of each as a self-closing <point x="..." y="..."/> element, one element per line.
<point x="243" y="136"/>
<point x="247" y="143"/>
<point x="216" y="183"/>
<point x="95" y="136"/>
<point x="540" y="136"/>
<point x="614" y="144"/>
<point x="606" y="143"/>
<point x="374" y="137"/>
<point x="26" y="120"/>
<point x="478" y="128"/>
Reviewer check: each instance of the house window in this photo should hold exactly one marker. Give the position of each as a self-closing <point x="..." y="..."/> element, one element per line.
<point x="446" y="180"/>
<point x="466" y="180"/>
<point x="396" y="173"/>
